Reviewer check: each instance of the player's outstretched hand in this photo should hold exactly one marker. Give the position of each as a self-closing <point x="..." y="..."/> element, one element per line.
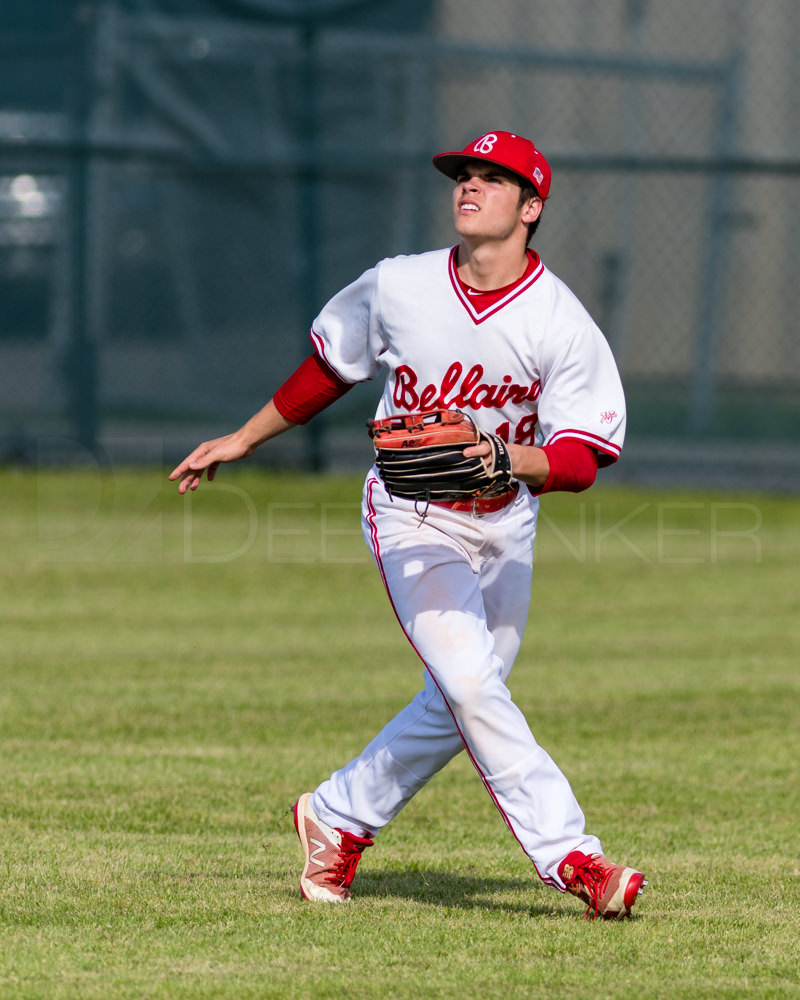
<point x="207" y="458"/>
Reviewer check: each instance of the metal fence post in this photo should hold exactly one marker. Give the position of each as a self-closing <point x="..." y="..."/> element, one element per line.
<point x="309" y="209"/>
<point x="709" y="321"/>
<point x="80" y="363"/>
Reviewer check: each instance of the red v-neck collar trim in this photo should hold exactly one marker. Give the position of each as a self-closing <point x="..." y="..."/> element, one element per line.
<point x="482" y="305"/>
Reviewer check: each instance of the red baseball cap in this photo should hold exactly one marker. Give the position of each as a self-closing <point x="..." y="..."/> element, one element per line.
<point x="516" y="154"/>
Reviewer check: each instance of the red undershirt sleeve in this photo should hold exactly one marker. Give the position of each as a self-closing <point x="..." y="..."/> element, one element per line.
<point x="309" y="390"/>
<point x="573" y="466"/>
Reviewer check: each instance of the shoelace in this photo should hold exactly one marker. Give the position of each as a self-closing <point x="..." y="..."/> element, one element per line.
<point x="592" y="876"/>
<point x="343" y="872"/>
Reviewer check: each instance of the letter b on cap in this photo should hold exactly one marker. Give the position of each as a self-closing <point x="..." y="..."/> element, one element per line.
<point x="485" y="144"/>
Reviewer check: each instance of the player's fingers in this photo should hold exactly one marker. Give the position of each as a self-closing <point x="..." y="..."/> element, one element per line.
<point x="192" y="461"/>
<point x="206" y="458"/>
<point x="483" y="449"/>
<point x="190" y="481"/>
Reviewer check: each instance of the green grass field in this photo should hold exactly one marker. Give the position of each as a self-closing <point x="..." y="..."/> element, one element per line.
<point x="176" y="670"/>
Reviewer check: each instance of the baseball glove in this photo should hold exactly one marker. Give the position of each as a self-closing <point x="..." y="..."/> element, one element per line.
<point x="420" y="456"/>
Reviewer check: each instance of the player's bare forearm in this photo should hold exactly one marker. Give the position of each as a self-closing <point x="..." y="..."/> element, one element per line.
<point x="529" y="464"/>
<point x="207" y="457"/>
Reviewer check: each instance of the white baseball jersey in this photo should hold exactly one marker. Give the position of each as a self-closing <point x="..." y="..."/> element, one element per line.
<point x="533" y="367"/>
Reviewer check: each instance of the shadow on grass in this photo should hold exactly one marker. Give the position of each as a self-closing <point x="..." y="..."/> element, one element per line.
<point x="462" y="891"/>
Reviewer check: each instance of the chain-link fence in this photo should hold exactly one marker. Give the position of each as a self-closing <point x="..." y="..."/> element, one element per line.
<point x="181" y="191"/>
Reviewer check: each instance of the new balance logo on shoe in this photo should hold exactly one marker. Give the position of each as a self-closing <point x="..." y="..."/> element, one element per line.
<point x="314" y="857"/>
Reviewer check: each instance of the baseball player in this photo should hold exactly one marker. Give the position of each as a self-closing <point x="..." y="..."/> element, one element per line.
<point x="486" y="330"/>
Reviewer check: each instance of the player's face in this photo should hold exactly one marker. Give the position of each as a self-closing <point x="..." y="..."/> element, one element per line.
<point x="486" y="204"/>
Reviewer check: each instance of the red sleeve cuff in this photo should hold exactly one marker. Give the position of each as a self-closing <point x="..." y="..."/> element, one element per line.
<point x="573" y="466"/>
<point x="309" y="390"/>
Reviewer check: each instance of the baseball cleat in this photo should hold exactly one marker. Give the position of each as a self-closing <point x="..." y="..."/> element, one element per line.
<point x="331" y="855"/>
<point x="609" y="890"/>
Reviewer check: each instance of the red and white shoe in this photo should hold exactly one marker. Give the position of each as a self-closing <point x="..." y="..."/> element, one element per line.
<point x="608" y="890"/>
<point x="331" y="855"/>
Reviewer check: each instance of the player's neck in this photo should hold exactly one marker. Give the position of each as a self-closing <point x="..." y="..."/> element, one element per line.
<point x="491" y="265"/>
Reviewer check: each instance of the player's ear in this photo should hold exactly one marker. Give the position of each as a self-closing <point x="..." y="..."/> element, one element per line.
<point x="532" y="209"/>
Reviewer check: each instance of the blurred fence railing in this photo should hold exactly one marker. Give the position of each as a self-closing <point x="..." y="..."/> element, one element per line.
<point x="178" y="196"/>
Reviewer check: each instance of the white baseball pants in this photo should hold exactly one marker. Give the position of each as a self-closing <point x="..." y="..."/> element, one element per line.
<point x="460" y="587"/>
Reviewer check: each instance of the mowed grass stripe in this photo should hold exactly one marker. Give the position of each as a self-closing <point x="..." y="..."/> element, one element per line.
<point x="174" y="674"/>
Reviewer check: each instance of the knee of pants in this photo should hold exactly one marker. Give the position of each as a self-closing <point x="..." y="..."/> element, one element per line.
<point x="468" y="691"/>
